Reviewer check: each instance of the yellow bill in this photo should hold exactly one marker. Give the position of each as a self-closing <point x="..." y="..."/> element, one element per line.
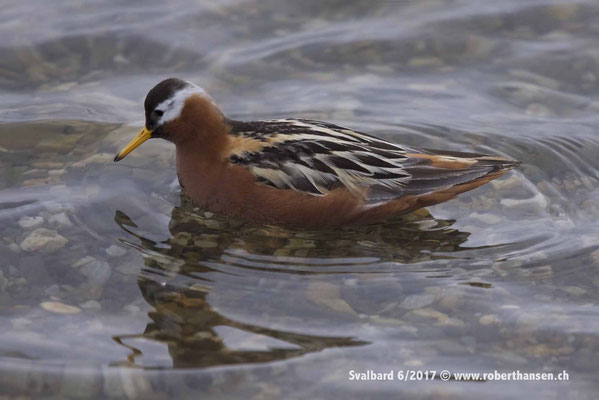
<point x="135" y="142"/>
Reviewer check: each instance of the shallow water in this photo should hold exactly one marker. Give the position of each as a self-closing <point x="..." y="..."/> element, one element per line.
<point x="111" y="286"/>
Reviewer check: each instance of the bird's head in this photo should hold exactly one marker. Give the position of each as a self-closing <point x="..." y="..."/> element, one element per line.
<point x="172" y="109"/>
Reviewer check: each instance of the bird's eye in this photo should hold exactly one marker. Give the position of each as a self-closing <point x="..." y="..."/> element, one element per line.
<point x="159" y="112"/>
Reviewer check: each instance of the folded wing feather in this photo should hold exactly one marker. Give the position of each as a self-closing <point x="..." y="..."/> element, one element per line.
<point x="316" y="157"/>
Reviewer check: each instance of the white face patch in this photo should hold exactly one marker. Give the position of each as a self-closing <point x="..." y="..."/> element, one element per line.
<point x="172" y="106"/>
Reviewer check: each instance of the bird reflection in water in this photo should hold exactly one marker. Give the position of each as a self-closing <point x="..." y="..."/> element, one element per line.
<point x="179" y="273"/>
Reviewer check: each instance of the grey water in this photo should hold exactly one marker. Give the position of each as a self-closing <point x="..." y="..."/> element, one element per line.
<point x="113" y="286"/>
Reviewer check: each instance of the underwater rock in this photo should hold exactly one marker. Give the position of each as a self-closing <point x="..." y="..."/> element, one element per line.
<point x="574" y="290"/>
<point x="536" y="202"/>
<point x="30" y="222"/>
<point x="52" y="290"/>
<point x="488" y="219"/>
<point x="59" y="308"/>
<point x="328" y="295"/>
<point x="60" y="220"/>
<point x="82" y="261"/>
<point x="43" y="239"/>
<point x="97" y="272"/>
<point x="100" y="158"/>
<point x="416" y="301"/>
<point x="489" y="319"/>
<point x="115" y="251"/>
<point x="92" y="305"/>
<point x="427" y="314"/>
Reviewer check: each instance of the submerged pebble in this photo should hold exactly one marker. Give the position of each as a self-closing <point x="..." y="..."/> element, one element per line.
<point x="415" y="301"/>
<point x="44" y="240"/>
<point x="431" y="314"/>
<point x="489" y="219"/>
<point x="97" y="272"/>
<point x="20" y="323"/>
<point x="538" y="201"/>
<point x="489" y="319"/>
<point x="30" y="222"/>
<point x="60" y="221"/>
<point x="52" y="290"/>
<point x="100" y="158"/>
<point x="91" y="305"/>
<point x="59" y="308"/>
<point x="115" y="251"/>
<point x="82" y="261"/>
<point x="574" y="290"/>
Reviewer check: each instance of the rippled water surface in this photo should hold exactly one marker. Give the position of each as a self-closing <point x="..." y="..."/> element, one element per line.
<point x="112" y="286"/>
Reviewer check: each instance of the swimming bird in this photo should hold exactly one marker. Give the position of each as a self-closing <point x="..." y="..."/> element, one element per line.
<point x="300" y="172"/>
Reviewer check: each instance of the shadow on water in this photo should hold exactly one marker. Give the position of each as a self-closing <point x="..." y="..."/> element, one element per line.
<point x="180" y="272"/>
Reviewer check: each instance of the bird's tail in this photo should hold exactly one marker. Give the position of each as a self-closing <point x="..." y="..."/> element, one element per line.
<point x="438" y="176"/>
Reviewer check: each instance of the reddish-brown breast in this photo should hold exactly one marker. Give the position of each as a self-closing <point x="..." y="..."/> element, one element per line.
<point x="232" y="190"/>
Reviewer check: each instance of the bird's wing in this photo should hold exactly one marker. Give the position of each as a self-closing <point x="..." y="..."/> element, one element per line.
<point x="316" y="157"/>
